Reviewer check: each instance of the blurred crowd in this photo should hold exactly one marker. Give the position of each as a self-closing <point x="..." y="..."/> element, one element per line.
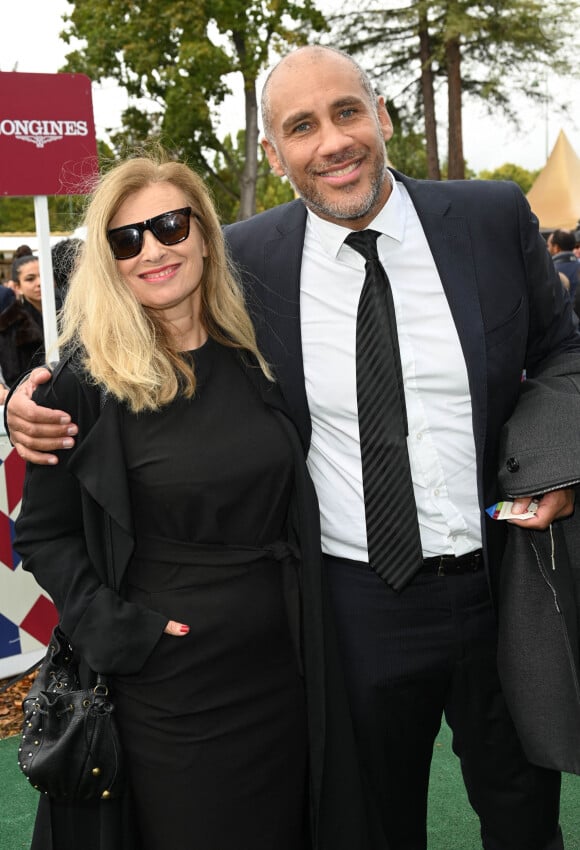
<point x="21" y="327"/>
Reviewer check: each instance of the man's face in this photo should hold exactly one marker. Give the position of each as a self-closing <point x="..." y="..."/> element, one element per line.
<point x="552" y="247"/>
<point x="328" y="138"/>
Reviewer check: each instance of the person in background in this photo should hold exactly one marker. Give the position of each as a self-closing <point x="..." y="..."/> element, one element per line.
<point x="577" y="244"/>
<point x="64" y="257"/>
<point x="6" y="294"/>
<point x="476" y="301"/>
<point x="561" y="247"/>
<point x="21" y="331"/>
<point x="21" y="251"/>
<point x="189" y="485"/>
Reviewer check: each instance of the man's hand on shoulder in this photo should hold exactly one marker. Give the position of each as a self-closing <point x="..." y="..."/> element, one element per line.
<point x="36" y="431"/>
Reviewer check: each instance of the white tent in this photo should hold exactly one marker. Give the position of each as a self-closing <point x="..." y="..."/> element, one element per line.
<point x="555" y="195"/>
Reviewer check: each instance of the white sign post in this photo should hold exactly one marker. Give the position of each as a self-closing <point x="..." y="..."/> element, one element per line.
<point x="46" y="277"/>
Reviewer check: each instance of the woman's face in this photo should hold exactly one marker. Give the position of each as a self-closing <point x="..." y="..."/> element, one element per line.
<point x="28" y="283"/>
<point x="162" y="277"/>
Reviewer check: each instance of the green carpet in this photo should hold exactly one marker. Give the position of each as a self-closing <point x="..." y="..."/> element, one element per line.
<point x="452" y="825"/>
<point x="17" y="800"/>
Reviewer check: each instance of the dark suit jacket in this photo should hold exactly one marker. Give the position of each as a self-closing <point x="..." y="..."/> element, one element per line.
<point x="507" y="303"/>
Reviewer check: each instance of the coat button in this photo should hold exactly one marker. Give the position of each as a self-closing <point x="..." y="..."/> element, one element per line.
<point x="512" y="464"/>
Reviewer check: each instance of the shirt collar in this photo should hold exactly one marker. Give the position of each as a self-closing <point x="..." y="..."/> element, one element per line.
<point x="389" y="221"/>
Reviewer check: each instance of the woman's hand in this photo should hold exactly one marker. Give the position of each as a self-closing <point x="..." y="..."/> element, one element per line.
<point x="176" y="629"/>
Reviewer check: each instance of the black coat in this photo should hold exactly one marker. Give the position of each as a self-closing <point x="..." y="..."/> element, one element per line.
<point x="75" y="534"/>
<point x="539" y="611"/>
<point x="21" y="340"/>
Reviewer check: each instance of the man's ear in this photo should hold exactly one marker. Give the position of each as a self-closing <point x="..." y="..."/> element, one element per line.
<point x="384" y="119"/>
<point x="275" y="163"/>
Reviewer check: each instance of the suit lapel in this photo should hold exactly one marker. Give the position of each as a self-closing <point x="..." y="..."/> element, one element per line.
<point x="282" y="341"/>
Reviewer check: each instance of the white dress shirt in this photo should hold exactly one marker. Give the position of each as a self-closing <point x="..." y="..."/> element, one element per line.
<point x="440" y="442"/>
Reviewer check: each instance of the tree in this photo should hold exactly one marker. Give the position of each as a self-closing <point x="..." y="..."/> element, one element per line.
<point x="179" y="56"/>
<point x="64" y="212"/>
<point x="485" y="50"/>
<point x="270" y="190"/>
<point x="407" y="149"/>
<point x="524" y="178"/>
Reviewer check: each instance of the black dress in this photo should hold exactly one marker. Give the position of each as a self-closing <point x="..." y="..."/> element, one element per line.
<point x="214" y="724"/>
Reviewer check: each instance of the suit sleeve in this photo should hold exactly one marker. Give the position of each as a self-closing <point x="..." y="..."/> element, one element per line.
<point x="112" y="635"/>
<point x="553" y="326"/>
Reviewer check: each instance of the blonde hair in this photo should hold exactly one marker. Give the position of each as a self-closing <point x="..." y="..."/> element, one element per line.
<point x="122" y="345"/>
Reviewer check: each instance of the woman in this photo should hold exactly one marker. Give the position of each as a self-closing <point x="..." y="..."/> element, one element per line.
<point x="21" y="333"/>
<point x="180" y="491"/>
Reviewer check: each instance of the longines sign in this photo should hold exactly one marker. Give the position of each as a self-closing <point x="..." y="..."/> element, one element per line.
<point x="47" y="134"/>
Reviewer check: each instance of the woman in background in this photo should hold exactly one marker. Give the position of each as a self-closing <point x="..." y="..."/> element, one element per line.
<point x="21" y="331"/>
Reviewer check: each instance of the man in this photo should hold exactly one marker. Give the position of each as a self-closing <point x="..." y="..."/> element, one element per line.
<point x="561" y="247"/>
<point x="477" y="301"/>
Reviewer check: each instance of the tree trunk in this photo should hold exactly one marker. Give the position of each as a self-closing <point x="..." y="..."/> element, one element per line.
<point x="250" y="173"/>
<point x="433" y="169"/>
<point x="456" y="163"/>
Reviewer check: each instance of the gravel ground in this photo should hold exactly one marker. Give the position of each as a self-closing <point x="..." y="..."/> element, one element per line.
<point x="11" y="706"/>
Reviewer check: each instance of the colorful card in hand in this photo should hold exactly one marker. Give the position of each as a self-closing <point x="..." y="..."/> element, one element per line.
<point x="503" y="510"/>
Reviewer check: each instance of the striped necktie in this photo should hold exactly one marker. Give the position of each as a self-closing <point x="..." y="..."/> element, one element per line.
<point x="393" y="539"/>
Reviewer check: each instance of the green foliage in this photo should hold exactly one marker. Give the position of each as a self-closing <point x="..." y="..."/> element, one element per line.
<point x="16" y="215"/>
<point x="270" y="190"/>
<point x="406" y="149"/>
<point x="179" y="56"/>
<point x="524" y="178"/>
<point x="504" y="43"/>
<point x="64" y="213"/>
<point x="506" y="47"/>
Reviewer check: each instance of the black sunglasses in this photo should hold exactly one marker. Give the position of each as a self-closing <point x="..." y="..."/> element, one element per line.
<point x="169" y="228"/>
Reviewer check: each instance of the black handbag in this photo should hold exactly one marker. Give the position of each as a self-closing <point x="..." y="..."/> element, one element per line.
<point x="70" y="745"/>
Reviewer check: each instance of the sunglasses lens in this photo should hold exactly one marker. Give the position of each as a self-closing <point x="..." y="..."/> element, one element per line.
<point x="126" y="242"/>
<point x="168" y="228"/>
<point x="171" y="228"/>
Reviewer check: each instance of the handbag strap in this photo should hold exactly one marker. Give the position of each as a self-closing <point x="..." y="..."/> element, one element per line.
<point x="21" y="676"/>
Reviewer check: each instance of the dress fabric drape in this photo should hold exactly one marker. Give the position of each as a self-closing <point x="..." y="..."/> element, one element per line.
<point x="214" y="723"/>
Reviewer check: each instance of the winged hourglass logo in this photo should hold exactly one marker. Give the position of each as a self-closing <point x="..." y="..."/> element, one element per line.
<point x="39" y="141"/>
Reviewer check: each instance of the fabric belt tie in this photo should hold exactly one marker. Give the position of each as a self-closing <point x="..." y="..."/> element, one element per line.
<point x="218" y="555"/>
<point x="213" y="554"/>
<point x="452" y="565"/>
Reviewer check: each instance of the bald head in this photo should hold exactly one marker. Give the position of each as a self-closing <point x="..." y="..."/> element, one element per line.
<point x="325" y="130"/>
<point x="312" y="54"/>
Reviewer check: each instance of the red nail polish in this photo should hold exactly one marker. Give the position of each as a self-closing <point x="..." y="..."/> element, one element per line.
<point x="184" y="629"/>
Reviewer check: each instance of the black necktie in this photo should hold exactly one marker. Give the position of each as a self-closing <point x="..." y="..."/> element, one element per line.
<point x="393" y="539"/>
